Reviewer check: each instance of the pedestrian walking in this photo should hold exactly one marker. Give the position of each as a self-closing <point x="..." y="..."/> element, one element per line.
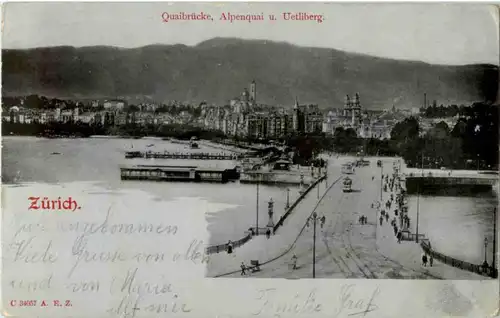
<point x="395" y="230"/>
<point x="424" y="260"/>
<point x="387" y="217"/>
<point x="243" y="269"/>
<point x="381" y="220"/>
<point x="431" y="260"/>
<point x="294" y="261"/>
<point x="399" y="237"/>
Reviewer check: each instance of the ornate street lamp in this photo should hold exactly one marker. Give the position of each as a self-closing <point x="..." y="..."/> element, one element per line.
<point x="485" y="254"/>
<point x="314" y="218"/>
<point x="287" y="206"/>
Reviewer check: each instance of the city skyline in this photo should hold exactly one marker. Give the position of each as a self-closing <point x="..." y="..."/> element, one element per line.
<point x="431" y="33"/>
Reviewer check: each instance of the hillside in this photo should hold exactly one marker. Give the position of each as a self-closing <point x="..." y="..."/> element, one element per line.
<point x="217" y="70"/>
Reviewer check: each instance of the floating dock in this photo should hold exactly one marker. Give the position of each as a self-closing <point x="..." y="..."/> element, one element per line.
<point x="172" y="155"/>
<point x="178" y="173"/>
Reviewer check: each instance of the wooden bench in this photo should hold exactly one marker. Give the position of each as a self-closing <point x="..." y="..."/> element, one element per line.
<point x="255" y="265"/>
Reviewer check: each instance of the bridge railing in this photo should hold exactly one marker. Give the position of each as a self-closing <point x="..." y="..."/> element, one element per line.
<point x="290" y="209"/>
<point x="223" y="247"/>
<point x="478" y="269"/>
<point x="407" y="236"/>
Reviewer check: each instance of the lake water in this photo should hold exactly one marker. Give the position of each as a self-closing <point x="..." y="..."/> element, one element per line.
<point x="456" y="226"/>
<point x="27" y="159"/>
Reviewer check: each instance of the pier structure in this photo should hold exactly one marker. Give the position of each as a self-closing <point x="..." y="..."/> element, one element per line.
<point x="179" y="155"/>
<point x="178" y="173"/>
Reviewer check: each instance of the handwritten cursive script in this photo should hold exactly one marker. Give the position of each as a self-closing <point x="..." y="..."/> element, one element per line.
<point x="356" y="306"/>
<point x="298" y="305"/>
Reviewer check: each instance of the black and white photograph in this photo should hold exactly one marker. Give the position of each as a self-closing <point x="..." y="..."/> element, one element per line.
<point x="311" y="140"/>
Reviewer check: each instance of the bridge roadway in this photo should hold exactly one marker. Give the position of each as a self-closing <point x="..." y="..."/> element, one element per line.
<point x="346" y="249"/>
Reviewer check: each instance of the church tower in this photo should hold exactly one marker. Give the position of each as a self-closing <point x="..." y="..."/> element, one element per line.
<point x="347" y="102"/>
<point x="356" y="111"/>
<point x="357" y="104"/>
<point x="296" y="115"/>
<point x="347" y="106"/>
<point x="253" y="92"/>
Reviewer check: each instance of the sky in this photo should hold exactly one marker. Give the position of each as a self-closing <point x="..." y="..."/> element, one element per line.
<point x="434" y="33"/>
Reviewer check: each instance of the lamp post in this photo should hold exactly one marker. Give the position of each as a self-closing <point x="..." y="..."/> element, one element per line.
<point x="418" y="212"/>
<point x="301" y="183"/>
<point x="314" y="218"/>
<point x="270" y="212"/>
<point x="287" y="198"/>
<point x="381" y="180"/>
<point x="318" y="190"/>
<point x="326" y="178"/>
<point x="257" y="210"/>
<point x="485" y="247"/>
<point x="494" y="261"/>
<point x="418" y="199"/>
<point x="477" y="163"/>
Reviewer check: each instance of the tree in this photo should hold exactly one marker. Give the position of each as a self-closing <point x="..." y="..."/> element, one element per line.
<point x="406" y="130"/>
<point x="345" y="140"/>
<point x="440" y="131"/>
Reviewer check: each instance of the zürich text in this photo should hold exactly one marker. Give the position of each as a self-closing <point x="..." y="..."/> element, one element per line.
<point x="44" y="203"/>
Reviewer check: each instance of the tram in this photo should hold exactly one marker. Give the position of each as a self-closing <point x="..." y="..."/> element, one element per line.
<point x="362" y="162"/>
<point x="347" y="168"/>
<point x="347" y="185"/>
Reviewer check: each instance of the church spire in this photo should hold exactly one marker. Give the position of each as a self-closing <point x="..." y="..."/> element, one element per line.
<point x="347" y="101"/>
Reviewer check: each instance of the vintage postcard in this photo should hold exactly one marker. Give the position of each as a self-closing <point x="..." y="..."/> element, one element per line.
<point x="249" y="159"/>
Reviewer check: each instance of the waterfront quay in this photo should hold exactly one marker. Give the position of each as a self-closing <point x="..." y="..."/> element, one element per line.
<point x="180" y="155"/>
<point x="459" y="181"/>
<point x="459" y="184"/>
<point x="343" y="247"/>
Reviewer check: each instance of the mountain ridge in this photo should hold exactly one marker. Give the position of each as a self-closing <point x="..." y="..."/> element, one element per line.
<point x="218" y="69"/>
